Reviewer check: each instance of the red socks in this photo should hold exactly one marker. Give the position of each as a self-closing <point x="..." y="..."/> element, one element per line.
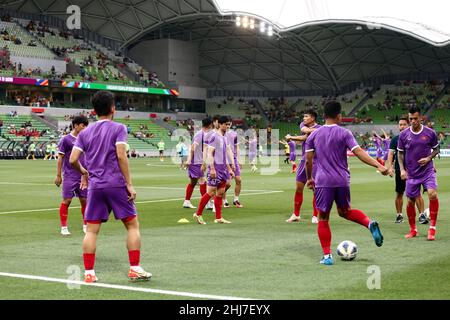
<point x="434" y="208"/>
<point x="89" y="260"/>
<point x="134" y="256"/>
<point x="205" y="198"/>
<point x="189" y="191"/>
<point x="324" y="232"/>
<point x="63" y="213"/>
<point x="358" y="216"/>
<point x="218" y="205"/>
<point x="203" y="189"/>
<point x="83" y="210"/>
<point x="298" y="200"/>
<point x="411" y="212"/>
<point x="316" y="211"/>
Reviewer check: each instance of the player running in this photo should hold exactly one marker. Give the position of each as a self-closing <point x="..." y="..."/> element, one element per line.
<point x="332" y="183"/>
<point x="110" y="186"/>
<point x="308" y="126"/>
<point x="71" y="178"/>
<point x="233" y="143"/>
<point x="400" y="184"/>
<point x="416" y="167"/>
<point x="196" y="170"/>
<point x="220" y="167"/>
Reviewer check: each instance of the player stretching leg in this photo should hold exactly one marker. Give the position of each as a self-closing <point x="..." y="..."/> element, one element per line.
<point x="308" y="125"/>
<point x="233" y="143"/>
<point x="110" y="186"/>
<point x="416" y="167"/>
<point x="219" y="158"/>
<point x="332" y="184"/>
<point x="400" y="184"/>
<point x="195" y="163"/>
<point x="72" y="178"/>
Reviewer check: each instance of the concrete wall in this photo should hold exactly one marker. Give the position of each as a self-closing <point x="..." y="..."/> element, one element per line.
<point x="44" y="64"/>
<point x="153" y="56"/>
<point x="173" y="60"/>
<point x="189" y="92"/>
<point x="183" y="63"/>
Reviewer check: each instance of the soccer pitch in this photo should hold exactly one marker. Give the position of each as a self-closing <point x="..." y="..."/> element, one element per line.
<point x="258" y="256"/>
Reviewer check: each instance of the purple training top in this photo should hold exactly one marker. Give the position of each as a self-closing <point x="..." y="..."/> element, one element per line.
<point x="417" y="146"/>
<point x="199" y="140"/>
<point x="98" y="142"/>
<point x="232" y="140"/>
<point x="219" y="143"/>
<point x="316" y="126"/>
<point x="330" y="144"/>
<point x="65" y="146"/>
<point x="291" y="147"/>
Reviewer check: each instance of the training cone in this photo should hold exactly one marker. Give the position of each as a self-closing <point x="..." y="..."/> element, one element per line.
<point x="183" y="220"/>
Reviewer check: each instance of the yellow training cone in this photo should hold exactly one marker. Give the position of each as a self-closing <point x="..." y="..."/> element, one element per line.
<point x="183" y="220"/>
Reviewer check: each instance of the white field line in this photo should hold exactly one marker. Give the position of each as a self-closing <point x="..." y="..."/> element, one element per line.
<point x="137" y="202"/>
<point x="120" y="287"/>
<point x="136" y="187"/>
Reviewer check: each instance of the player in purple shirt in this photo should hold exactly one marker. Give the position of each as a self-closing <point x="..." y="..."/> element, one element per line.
<point x="233" y="144"/>
<point x="70" y="178"/>
<point x="377" y="142"/>
<point x="308" y="126"/>
<point x="220" y="167"/>
<point x="327" y="146"/>
<point x="215" y="127"/>
<point x="195" y="163"/>
<point x="253" y="151"/>
<point x="110" y="187"/>
<point x="416" y="167"/>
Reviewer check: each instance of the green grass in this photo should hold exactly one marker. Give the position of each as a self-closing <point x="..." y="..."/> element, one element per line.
<point x="257" y="256"/>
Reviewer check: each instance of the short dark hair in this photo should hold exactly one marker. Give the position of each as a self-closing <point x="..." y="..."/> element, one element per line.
<point x="215" y="118"/>
<point x="103" y="102"/>
<point x="403" y="118"/>
<point x="414" y="110"/>
<point x="224" y="119"/>
<point x="332" y="109"/>
<point x="312" y="113"/>
<point x="206" y="122"/>
<point x="80" y="120"/>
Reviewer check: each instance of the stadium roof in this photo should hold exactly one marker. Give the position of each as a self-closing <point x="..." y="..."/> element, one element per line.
<point x="326" y="54"/>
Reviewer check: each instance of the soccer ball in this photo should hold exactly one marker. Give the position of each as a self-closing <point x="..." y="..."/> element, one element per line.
<point x="427" y="213"/>
<point x="347" y="250"/>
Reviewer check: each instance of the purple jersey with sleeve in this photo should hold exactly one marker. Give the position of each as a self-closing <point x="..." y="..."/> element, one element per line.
<point x="208" y="136"/>
<point x="219" y="143"/>
<point x="291" y="147"/>
<point x="98" y="142"/>
<point x="199" y="141"/>
<point x="232" y="140"/>
<point x="415" y="147"/>
<point x="65" y="146"/>
<point x="330" y="144"/>
<point x="316" y="126"/>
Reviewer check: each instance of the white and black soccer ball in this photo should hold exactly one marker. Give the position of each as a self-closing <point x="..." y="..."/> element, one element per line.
<point x="347" y="250"/>
<point x="427" y="213"/>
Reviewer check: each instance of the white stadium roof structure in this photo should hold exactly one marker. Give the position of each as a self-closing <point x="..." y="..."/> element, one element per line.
<point x="316" y="44"/>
